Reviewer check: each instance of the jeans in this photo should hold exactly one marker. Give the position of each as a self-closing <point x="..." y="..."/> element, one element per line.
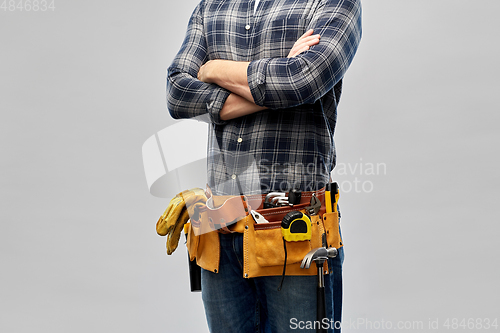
<point x="234" y="304"/>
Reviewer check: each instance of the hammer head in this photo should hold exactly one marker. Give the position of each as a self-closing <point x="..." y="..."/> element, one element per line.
<point x="319" y="254"/>
<point x="314" y="255"/>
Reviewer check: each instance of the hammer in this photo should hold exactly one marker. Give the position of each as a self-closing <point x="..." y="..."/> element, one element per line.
<point x="319" y="256"/>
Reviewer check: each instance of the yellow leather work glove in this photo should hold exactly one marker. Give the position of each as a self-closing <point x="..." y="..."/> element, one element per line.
<point x="180" y="208"/>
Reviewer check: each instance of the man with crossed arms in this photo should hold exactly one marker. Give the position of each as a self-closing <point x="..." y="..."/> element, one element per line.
<point x="267" y="76"/>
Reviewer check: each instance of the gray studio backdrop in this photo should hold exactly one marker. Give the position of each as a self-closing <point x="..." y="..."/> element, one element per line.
<point x="82" y="88"/>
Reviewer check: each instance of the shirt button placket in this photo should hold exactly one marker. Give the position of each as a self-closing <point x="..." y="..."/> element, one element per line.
<point x="247" y="29"/>
<point x="239" y="140"/>
<point x="248" y="26"/>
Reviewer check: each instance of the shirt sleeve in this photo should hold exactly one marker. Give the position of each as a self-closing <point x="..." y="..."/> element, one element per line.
<point x="188" y="97"/>
<point x="287" y="82"/>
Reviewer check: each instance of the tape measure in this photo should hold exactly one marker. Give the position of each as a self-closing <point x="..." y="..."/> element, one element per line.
<point x="296" y="226"/>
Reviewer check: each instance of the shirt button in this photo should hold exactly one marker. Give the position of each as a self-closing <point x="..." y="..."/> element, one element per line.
<point x="233" y="176"/>
<point x="247" y="26"/>
<point x="240" y="140"/>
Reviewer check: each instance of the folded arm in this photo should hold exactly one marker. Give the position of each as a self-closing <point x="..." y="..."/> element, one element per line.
<point x="225" y="89"/>
<point x="303" y="77"/>
<point x="188" y="97"/>
<point x="232" y="75"/>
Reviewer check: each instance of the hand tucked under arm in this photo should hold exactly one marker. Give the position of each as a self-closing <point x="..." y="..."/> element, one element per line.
<point x="308" y="76"/>
<point x="304" y="43"/>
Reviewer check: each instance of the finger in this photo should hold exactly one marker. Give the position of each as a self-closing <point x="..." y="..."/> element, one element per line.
<point x="298" y="51"/>
<point x="307" y="33"/>
<point x="306" y="40"/>
<point x="310" y="41"/>
<point x="303" y="49"/>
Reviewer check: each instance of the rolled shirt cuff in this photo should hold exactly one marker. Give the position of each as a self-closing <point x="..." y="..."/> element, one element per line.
<point x="256" y="75"/>
<point x="216" y="103"/>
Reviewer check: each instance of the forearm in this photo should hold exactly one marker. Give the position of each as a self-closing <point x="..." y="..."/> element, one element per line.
<point x="230" y="75"/>
<point x="237" y="106"/>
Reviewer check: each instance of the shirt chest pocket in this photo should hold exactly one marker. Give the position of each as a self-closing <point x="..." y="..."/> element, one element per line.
<point x="279" y="35"/>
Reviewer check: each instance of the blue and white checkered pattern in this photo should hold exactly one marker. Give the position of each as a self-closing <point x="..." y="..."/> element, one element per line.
<point x="291" y="144"/>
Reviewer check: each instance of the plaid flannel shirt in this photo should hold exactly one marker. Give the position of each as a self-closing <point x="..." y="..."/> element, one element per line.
<point x="290" y="144"/>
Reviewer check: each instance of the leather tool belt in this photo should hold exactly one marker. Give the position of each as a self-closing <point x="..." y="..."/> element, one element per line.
<point x="264" y="254"/>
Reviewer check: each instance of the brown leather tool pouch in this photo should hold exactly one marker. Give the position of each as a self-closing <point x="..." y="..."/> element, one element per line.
<point x="205" y="248"/>
<point x="331" y="222"/>
<point x="264" y="253"/>
<point x="270" y="249"/>
<point x="192" y="242"/>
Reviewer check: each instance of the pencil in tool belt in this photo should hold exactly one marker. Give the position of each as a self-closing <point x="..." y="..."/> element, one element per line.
<point x="328" y="198"/>
<point x="334" y="189"/>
